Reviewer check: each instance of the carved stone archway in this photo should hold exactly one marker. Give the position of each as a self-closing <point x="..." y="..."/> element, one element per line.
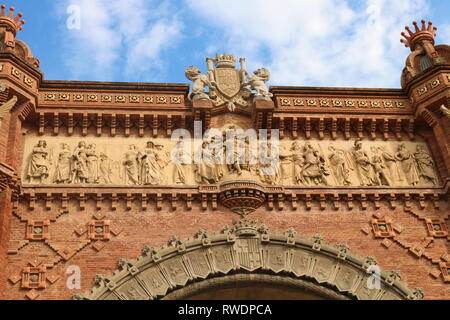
<point x="248" y="252"/>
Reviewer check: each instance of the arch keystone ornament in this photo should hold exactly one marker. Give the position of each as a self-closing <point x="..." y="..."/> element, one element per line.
<point x="248" y="252"/>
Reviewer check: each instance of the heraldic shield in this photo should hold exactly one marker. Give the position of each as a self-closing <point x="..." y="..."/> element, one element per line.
<point x="228" y="81"/>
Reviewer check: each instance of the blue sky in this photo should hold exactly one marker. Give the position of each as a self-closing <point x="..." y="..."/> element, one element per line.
<point x="332" y="43"/>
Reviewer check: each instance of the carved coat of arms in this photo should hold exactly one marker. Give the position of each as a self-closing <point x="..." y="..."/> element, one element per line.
<point x="227" y="85"/>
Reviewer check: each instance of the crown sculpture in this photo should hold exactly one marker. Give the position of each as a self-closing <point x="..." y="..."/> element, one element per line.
<point x="224" y="61"/>
<point x="9" y="27"/>
<point x="420" y="35"/>
<point x="227" y="85"/>
<point x="421" y="42"/>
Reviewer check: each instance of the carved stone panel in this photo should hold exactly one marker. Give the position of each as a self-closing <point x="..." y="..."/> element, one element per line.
<point x="300" y="262"/>
<point x="176" y="271"/>
<point x="141" y="161"/>
<point x="199" y="264"/>
<point x="154" y="281"/>
<point x="131" y="290"/>
<point x="346" y="278"/>
<point x="276" y="258"/>
<point x="223" y="261"/>
<point x="364" y="292"/>
<point x="248" y="253"/>
<point x="323" y="269"/>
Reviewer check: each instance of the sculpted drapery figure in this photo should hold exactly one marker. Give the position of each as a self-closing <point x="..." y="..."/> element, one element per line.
<point x="391" y="164"/>
<point x="364" y="165"/>
<point x="381" y="171"/>
<point x="207" y="171"/>
<point x="131" y="165"/>
<point x="269" y="170"/>
<point x="408" y="165"/>
<point x="286" y="159"/>
<point x="234" y="160"/>
<point x="64" y="165"/>
<point x="153" y="161"/>
<point x="314" y="167"/>
<point x="92" y="163"/>
<point x="425" y="165"/>
<point x="180" y="159"/>
<point x="299" y="161"/>
<point x="38" y="169"/>
<point x="340" y="165"/>
<point x="80" y="172"/>
<point x="105" y="169"/>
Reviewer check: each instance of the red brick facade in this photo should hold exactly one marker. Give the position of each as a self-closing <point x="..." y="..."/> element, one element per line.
<point x="45" y="228"/>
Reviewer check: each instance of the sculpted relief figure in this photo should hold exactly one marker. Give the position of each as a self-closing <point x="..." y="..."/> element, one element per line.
<point x="38" y="169"/>
<point x="153" y="161"/>
<point x="381" y="172"/>
<point x="64" y="165"/>
<point x="391" y="163"/>
<point x="408" y="165"/>
<point x="286" y="160"/>
<point x="364" y="166"/>
<point x="80" y="172"/>
<point x="269" y="170"/>
<point x="298" y="161"/>
<point x="180" y="159"/>
<point x="131" y="165"/>
<point x="242" y="158"/>
<point x="314" y="169"/>
<point x="425" y="165"/>
<point x="207" y="171"/>
<point x="92" y="164"/>
<point x="105" y="169"/>
<point x="341" y="165"/>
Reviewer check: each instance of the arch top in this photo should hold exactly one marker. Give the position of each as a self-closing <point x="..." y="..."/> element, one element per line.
<point x="248" y="247"/>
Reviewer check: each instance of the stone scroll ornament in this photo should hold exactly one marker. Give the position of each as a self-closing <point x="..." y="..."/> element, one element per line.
<point x="311" y="264"/>
<point x="227" y="85"/>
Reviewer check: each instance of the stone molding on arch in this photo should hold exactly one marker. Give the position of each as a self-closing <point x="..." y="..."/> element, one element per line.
<point x="248" y="248"/>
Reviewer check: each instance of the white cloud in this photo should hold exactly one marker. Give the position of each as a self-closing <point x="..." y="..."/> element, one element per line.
<point x="321" y="42"/>
<point x="443" y="34"/>
<point x="302" y="42"/>
<point x="121" y="39"/>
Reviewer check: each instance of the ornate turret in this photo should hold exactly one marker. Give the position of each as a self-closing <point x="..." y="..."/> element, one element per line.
<point x="425" y="54"/>
<point x="9" y="27"/>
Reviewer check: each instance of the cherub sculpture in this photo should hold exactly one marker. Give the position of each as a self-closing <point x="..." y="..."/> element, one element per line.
<point x="200" y="82"/>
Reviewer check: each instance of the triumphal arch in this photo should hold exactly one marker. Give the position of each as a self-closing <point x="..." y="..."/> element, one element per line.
<point x="224" y="188"/>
